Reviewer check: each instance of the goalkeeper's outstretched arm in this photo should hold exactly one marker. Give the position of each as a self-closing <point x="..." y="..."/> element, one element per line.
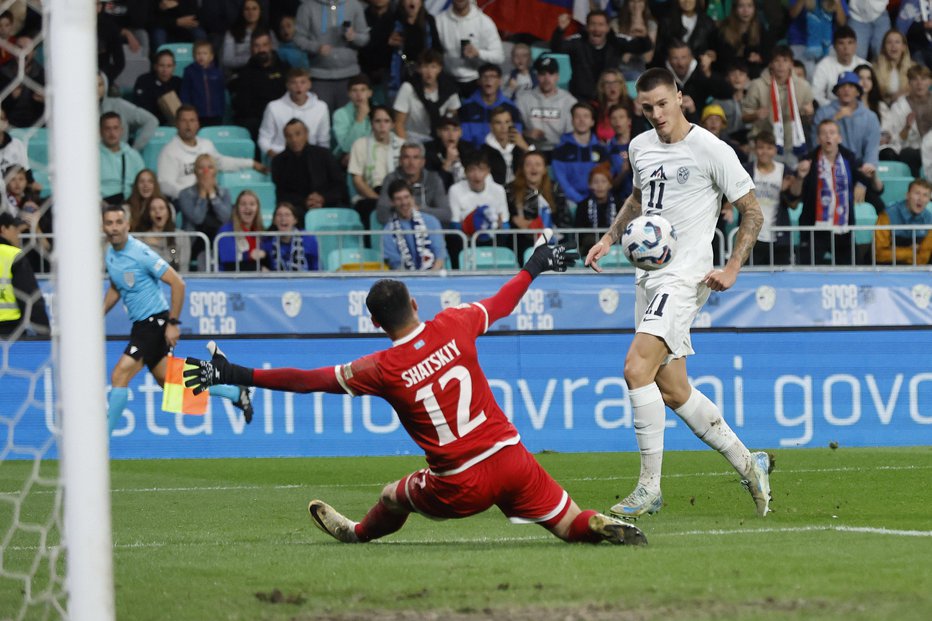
<point x="219" y="370"/>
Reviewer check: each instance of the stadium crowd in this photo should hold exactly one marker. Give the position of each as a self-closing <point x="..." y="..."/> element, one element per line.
<point x="258" y="116"/>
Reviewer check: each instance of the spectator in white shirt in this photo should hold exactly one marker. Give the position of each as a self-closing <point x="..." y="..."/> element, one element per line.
<point x="845" y="44"/>
<point x="470" y="39"/>
<point x="423" y="101"/>
<point x="298" y="103"/>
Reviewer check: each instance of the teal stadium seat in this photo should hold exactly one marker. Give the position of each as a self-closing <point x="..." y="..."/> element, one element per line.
<point x="632" y="89"/>
<point x="488" y="258"/>
<point x="184" y="55"/>
<point x="150" y="153"/>
<point x="234" y="147"/>
<point x="888" y="168"/>
<point x="36" y="140"/>
<point x="221" y="133"/>
<point x="864" y="215"/>
<point x="615" y="258"/>
<point x="794" y="221"/>
<point x="248" y="179"/>
<point x="334" y="219"/>
<point x="894" y="189"/>
<point x="354" y="259"/>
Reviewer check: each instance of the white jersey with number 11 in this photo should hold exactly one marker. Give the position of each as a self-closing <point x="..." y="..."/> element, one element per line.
<point x="684" y="182"/>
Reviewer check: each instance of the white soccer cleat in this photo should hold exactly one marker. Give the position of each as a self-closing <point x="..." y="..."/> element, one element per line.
<point x="332" y="522"/>
<point x="758" y="481"/>
<point x="639" y="502"/>
<point x="616" y="532"/>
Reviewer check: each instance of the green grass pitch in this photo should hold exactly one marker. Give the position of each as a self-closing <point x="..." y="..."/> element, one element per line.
<point x="850" y="537"/>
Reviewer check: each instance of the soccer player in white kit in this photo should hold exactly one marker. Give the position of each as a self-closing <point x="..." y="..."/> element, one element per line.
<point x="681" y="171"/>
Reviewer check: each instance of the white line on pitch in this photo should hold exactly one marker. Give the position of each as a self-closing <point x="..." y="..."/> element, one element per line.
<point x="687" y="533"/>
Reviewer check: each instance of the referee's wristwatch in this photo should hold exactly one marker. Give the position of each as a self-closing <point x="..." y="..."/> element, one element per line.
<point x="173" y="322"/>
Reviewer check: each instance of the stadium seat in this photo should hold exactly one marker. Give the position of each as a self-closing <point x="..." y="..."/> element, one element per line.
<point x="184" y="55"/>
<point x="864" y="215"/>
<point x="248" y="179"/>
<point x="36" y="140"/>
<point x="488" y="258"/>
<point x="632" y="88"/>
<point x="794" y="221"/>
<point x="162" y="136"/>
<point x="354" y="260"/>
<point x="615" y="258"/>
<point x="894" y="189"/>
<point x="891" y="168"/>
<point x="235" y="147"/>
<point x="222" y="133"/>
<point x="334" y="219"/>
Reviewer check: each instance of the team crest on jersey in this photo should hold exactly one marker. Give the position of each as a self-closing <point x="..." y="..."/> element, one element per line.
<point x="658" y="174"/>
<point x="682" y="174"/>
<point x="129" y="278"/>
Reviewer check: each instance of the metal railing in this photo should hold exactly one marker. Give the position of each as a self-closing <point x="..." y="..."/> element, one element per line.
<point x="863" y="251"/>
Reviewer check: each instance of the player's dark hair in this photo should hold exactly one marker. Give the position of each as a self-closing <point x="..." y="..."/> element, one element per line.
<point x="654" y="77"/>
<point x="389" y="303"/>
<point x="108" y="207"/>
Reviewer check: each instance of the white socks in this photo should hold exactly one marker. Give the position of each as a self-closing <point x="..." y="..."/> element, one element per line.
<point x="649" y="418"/>
<point x="705" y="420"/>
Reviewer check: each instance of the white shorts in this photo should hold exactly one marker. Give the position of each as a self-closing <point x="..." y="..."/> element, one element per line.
<point x="666" y="309"/>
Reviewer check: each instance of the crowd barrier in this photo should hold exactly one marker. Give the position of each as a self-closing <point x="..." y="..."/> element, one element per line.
<point x="783" y="389"/>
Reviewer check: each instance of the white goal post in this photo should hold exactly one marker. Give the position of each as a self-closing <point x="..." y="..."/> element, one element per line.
<point x="84" y="444"/>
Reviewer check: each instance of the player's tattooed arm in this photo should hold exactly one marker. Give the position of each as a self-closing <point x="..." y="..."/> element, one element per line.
<point x="751" y="221"/>
<point x="630" y="210"/>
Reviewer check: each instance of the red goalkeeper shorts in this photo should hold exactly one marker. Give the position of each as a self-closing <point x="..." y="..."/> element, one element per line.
<point x="510" y="479"/>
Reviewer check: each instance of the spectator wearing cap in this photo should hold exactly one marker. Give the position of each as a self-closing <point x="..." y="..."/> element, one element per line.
<point x="21" y="301"/>
<point x="860" y="128"/>
<point x="476" y="112"/>
<point x="470" y="41"/>
<point x="446" y="153"/>
<point x="545" y="109"/>
<point x="845" y="59"/>
<point x="715" y="120"/>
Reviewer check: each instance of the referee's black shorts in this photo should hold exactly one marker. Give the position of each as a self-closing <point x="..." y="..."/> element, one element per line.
<point x="147" y="340"/>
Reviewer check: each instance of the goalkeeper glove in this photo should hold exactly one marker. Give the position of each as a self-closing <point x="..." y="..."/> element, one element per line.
<point x="217" y="371"/>
<point x="556" y="258"/>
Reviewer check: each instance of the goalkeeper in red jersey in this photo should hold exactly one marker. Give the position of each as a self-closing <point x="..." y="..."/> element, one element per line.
<point x="432" y="378"/>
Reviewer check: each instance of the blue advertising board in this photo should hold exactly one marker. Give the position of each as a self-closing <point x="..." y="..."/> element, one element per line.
<point x="297" y="306"/>
<point x="563" y="392"/>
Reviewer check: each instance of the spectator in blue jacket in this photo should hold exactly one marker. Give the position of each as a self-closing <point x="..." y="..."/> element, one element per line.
<point x="577" y="154"/>
<point x="476" y="111"/>
<point x="202" y="85"/>
<point x="289" y="253"/>
<point x="417" y="243"/>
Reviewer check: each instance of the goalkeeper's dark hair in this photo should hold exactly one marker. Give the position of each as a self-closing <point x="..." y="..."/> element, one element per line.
<point x="389" y="303"/>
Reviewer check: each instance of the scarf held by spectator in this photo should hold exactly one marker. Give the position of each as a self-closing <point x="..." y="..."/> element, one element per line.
<point x="425" y="255"/>
<point x="833" y="190"/>
<point x="799" y="136"/>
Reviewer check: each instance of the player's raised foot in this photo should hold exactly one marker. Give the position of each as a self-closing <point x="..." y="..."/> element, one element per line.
<point x="758" y="481"/>
<point x="639" y="502"/>
<point x="616" y="531"/>
<point x="245" y="403"/>
<point x="332" y="522"/>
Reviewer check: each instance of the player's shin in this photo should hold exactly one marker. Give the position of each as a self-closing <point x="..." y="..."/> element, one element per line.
<point x="705" y="420"/>
<point x="380" y="521"/>
<point x="119" y="395"/>
<point x="579" y="531"/>
<point x="649" y="419"/>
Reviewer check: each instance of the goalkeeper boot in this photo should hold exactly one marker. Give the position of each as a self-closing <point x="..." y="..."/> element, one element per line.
<point x="637" y="503"/>
<point x="758" y="481"/>
<point x="244" y="403"/>
<point x="616" y="532"/>
<point x="332" y="522"/>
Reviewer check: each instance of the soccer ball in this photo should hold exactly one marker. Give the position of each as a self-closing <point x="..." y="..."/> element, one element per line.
<point x="649" y="242"/>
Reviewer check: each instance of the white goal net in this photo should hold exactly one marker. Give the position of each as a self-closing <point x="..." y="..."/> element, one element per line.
<point x="55" y="542"/>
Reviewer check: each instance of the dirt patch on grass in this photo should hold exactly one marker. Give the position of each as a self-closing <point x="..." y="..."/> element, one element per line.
<point x="693" y="610"/>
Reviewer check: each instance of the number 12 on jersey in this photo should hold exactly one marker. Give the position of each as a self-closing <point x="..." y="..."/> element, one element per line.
<point x="464" y="424"/>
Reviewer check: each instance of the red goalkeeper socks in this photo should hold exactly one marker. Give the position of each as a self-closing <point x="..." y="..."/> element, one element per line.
<point x="579" y="529"/>
<point x="380" y="521"/>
